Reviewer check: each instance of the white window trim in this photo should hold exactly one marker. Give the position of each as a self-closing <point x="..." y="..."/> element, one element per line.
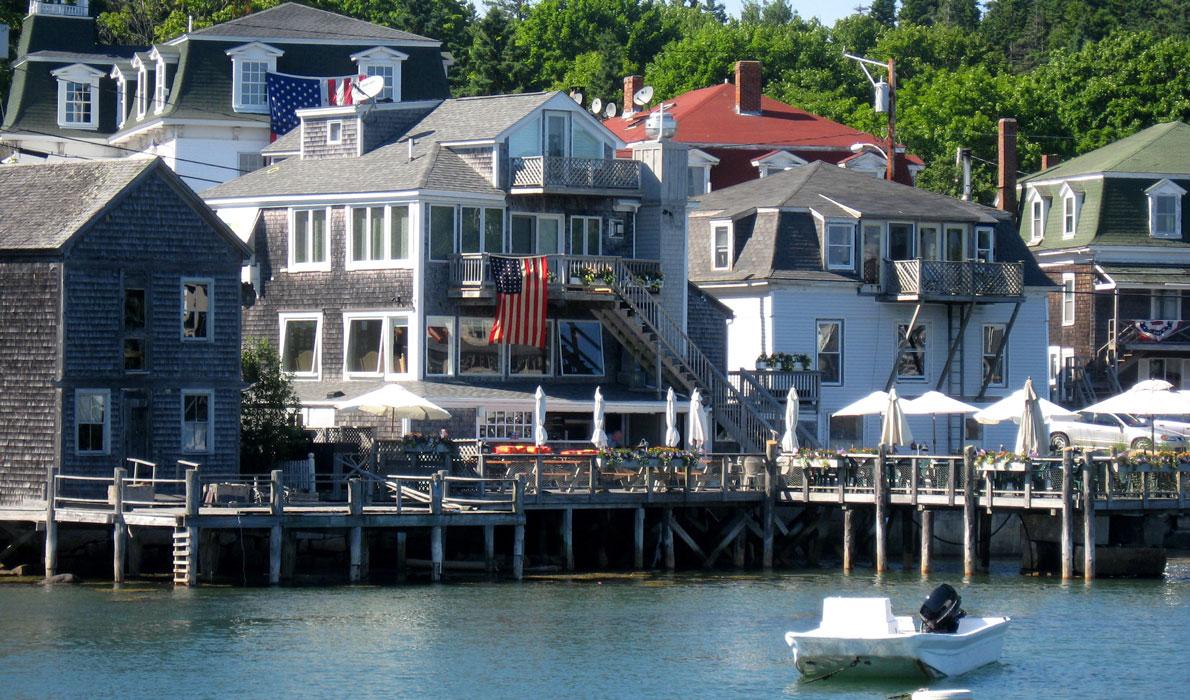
<point x="1075" y="200"/>
<point x="502" y="356"/>
<point x="285" y="318"/>
<point x="992" y="241"/>
<point x="382" y="56"/>
<point x="827" y="244"/>
<point x="563" y="232"/>
<point x="1165" y="188"/>
<point x="899" y="351"/>
<point x="483" y="220"/>
<point x="330" y="128"/>
<point x="703" y="186"/>
<point x="730" y="224"/>
<point x="1068" y="320"/>
<point x="387" y="318"/>
<point x="83" y="75"/>
<point x="252" y="52"/>
<point x="160" y="74"/>
<point x="556" y="330"/>
<point x="387" y="263"/>
<point x="210" y="421"/>
<point x="324" y="266"/>
<point x="1037" y="233"/>
<point x="777" y="162"/>
<point x="966" y="253"/>
<point x="121" y="95"/>
<point x="1177" y="299"/>
<point x="1003" y="357"/>
<point x="451" y="348"/>
<point x="210" y="282"/>
<point x="586" y="221"/>
<point x="842" y="348"/>
<point x="697" y="158"/>
<point x="912" y="238"/>
<point x="142" y="87"/>
<point x="107" y="420"/>
<point x="939" y="238"/>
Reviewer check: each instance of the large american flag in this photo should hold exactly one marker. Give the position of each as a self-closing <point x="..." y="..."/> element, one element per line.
<point x="520" y="300"/>
<point x="289" y="93"/>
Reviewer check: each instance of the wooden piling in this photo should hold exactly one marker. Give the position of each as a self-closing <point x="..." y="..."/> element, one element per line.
<point x="355" y="505"/>
<point x="1067" y="513"/>
<point x="1089" y="519"/>
<point x="984" y="548"/>
<point x="193" y="501"/>
<point x="880" y="498"/>
<point x="970" y="505"/>
<point x="276" y="536"/>
<point x="738" y="549"/>
<point x="489" y="548"/>
<point x="907" y="539"/>
<point x="51" y="523"/>
<point x="768" y="509"/>
<point x="437" y="553"/>
<point x="402" y="566"/>
<point x="518" y="552"/>
<point x="667" y="538"/>
<point x="848" y="539"/>
<point x="638" y="539"/>
<point x="927" y="536"/>
<point x="119" y="531"/>
<point x="567" y="528"/>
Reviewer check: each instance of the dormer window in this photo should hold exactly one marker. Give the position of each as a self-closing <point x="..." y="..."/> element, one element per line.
<point x="159" y="76"/>
<point x="1070" y="210"/>
<point x="699" y="172"/>
<point x="775" y="162"/>
<point x="142" y="87"/>
<point x="1165" y="209"/>
<point x="1038" y="208"/>
<point x="121" y="95"/>
<point x="250" y="64"/>
<point x="385" y="63"/>
<point x="334" y="132"/>
<point x="840" y="245"/>
<point x="78" y="97"/>
<point x="721" y="245"/>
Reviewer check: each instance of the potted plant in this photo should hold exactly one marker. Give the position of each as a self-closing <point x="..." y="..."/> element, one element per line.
<point x="803" y="361"/>
<point x="762" y="361"/>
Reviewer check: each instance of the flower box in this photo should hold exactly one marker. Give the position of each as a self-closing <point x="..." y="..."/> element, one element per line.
<point x="1004" y="466"/>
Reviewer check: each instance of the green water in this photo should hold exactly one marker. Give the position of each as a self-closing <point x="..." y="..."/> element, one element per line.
<point x="665" y="637"/>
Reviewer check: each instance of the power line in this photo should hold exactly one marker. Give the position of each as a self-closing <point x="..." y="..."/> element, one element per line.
<point x="131" y="150"/>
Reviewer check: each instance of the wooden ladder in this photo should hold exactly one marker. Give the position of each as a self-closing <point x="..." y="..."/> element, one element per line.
<point x="181" y="543"/>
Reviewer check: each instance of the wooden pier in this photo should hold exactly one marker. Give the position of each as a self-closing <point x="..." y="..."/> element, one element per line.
<point x="722" y="509"/>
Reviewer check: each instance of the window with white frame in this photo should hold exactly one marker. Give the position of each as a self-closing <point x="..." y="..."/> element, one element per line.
<point x="159" y="94"/>
<point x="442" y="232"/>
<point x="506" y="425"/>
<point x="334" y="132"/>
<point x="1165" y="304"/>
<point x="535" y="234"/>
<point x="1070" y="202"/>
<point x="901" y="241"/>
<point x="142" y="88"/>
<point x="197" y="308"/>
<point x="379" y="236"/>
<point x="377" y="344"/>
<point x="78" y="96"/>
<point x="1037" y="212"/>
<point x="197" y="425"/>
<point x="385" y="63"/>
<point x="1165" y="209"/>
<point x="92" y="421"/>
<point x="993" y="366"/>
<point x="586" y="233"/>
<point x="439" y="342"/>
<point x="308" y="240"/>
<point x="721" y="244"/>
<point x="871" y="249"/>
<point x="840" y="246"/>
<point x="481" y="230"/>
<point x="911" y="361"/>
<point x="1068" y="299"/>
<point x="830" y="351"/>
<point x="301" y="342"/>
<point x="955" y="244"/>
<point x="580" y="348"/>
<point x="985" y="244"/>
<point x="698" y="180"/>
<point x="477" y="357"/>
<point x="121" y="96"/>
<point x="927" y="241"/>
<point x="250" y="64"/>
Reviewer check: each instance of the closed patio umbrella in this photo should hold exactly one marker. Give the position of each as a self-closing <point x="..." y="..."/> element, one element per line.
<point x="599" y="435"/>
<point x="696" y="433"/>
<point x="895" y="428"/>
<point x="789" y="438"/>
<point x="1032" y="433"/>
<point x="672" y="438"/>
<point x="933" y="403"/>
<point x="539" y="435"/>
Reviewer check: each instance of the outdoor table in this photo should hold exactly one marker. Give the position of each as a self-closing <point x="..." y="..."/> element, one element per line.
<point x="222" y="494"/>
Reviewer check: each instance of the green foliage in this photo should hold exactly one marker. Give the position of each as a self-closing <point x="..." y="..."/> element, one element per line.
<point x="144" y="22"/>
<point x="268" y="425"/>
<point x="918" y="11"/>
<point x="883" y="11"/>
<point x="495" y="64"/>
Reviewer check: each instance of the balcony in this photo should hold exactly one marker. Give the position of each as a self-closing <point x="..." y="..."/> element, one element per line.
<point x="1149" y="335"/>
<point x="60" y="9"/>
<point x="553" y="175"/>
<point x="946" y="280"/>
<point x="572" y="277"/>
<point x="778" y="383"/>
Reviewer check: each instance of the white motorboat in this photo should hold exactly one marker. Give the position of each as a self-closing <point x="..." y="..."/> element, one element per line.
<point x="861" y="637"/>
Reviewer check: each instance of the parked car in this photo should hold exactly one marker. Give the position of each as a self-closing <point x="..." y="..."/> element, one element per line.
<point x="1179" y="425"/>
<point x="1101" y="430"/>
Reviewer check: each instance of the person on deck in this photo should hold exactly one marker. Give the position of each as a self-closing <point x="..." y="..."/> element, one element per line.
<point x="616" y="439"/>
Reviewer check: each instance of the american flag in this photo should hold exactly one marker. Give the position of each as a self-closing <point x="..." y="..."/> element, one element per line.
<point x="520" y="300"/>
<point x="289" y="93"/>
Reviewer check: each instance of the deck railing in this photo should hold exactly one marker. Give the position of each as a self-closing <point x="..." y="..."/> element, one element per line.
<point x="60" y="9"/>
<point x="946" y="278"/>
<point x="778" y="382"/>
<point x="574" y="173"/>
<point x="472" y="270"/>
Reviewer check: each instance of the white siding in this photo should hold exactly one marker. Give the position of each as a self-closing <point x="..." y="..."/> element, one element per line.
<point x="748" y="332"/>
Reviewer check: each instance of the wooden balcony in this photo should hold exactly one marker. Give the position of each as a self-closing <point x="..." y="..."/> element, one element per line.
<point x="778" y="383"/>
<point x="946" y="280"/>
<point x="554" y="175"/>
<point x="572" y="277"/>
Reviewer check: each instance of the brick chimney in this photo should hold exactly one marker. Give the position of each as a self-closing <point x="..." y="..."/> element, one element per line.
<point x="632" y="83"/>
<point x="1006" y="198"/>
<point x="747" y="87"/>
<point x="1049" y="160"/>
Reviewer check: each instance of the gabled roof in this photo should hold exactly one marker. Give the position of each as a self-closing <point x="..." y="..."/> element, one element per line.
<point x="294" y="21"/>
<point x="1164" y="148"/>
<point x="708" y="116"/>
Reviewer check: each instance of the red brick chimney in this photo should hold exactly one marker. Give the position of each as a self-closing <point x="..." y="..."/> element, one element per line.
<point x="632" y="83"/>
<point x="1006" y="199"/>
<point x="1049" y="160"/>
<point x="747" y="87"/>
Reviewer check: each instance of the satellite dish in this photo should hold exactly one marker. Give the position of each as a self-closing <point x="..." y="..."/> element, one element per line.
<point x="610" y="110"/>
<point x="643" y="96"/>
<point x="576" y="96"/>
<point x="367" y="88"/>
<point x="596" y="106"/>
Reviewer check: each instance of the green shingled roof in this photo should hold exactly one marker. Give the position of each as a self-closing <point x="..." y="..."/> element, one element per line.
<point x="1164" y="148"/>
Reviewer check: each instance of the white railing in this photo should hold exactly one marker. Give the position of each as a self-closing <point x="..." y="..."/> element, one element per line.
<point x="60" y="9"/>
<point x="573" y="271"/>
<point x="575" y="173"/>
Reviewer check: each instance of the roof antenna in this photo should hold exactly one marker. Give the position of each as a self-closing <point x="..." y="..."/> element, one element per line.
<point x="411" y="142"/>
<point x="189" y="23"/>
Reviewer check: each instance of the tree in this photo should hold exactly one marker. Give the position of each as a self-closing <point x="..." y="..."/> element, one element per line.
<point x="495" y="65"/>
<point x="918" y="11"/>
<point x="963" y="14"/>
<point x="715" y="9"/>
<point x="268" y="410"/>
<point x="884" y="12"/>
<point x="777" y="12"/>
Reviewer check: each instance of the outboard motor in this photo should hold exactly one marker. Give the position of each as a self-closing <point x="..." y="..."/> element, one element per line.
<point x="941" y="612"/>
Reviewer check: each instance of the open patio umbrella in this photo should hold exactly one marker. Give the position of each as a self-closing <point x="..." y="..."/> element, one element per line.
<point x="933" y="403"/>
<point x="396" y="401"/>
<point x="871" y="405"/>
<point x="1032" y="433"/>
<point x="789" y="438"/>
<point x="1012" y="407"/>
<point x="539" y="435"/>
<point x="895" y="428"/>
<point x="599" y="436"/>
<point x="1151" y="397"/>
<point x="672" y="438"/>
<point x="697" y="430"/>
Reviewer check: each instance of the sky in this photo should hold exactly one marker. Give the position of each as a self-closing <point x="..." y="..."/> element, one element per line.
<point x="826" y="10"/>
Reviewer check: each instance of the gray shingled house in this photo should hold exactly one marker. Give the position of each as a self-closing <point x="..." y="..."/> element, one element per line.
<point x="119" y="323"/>
<point x="374" y="238"/>
<point x="198" y="100"/>
<point x="879" y="285"/>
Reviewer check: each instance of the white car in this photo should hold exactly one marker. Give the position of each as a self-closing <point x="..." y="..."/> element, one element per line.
<point x="1179" y="425"/>
<point x="1104" y="430"/>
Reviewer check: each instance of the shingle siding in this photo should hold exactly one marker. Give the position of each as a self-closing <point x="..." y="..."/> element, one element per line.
<point x="706" y="325"/>
<point x="314" y="137"/>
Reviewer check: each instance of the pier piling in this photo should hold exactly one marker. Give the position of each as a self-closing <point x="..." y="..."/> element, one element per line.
<point x="667" y="538"/>
<point x="848" y="538"/>
<point x="970" y="503"/>
<point x="489" y="548"/>
<point x="768" y="508"/>
<point x="355" y="503"/>
<point x="1089" y="520"/>
<point x="119" y="532"/>
<point x="401" y="565"/>
<point x="1067" y="514"/>
<point x="193" y="500"/>
<point x="51" y="524"/>
<point x="638" y="539"/>
<point x="881" y="498"/>
<point x="927" y="536"/>
<point x="518" y="552"/>
<point x="568" y="539"/>
<point x="906" y="538"/>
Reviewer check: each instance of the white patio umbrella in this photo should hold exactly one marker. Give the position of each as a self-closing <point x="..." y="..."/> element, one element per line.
<point x="397" y="401"/>
<point x="697" y="430"/>
<point x="1151" y="397"/>
<point x="539" y="435"/>
<point x="789" y="438"/>
<point x="871" y="405"/>
<point x="895" y="428"/>
<point x="672" y="438"/>
<point x="1032" y="433"/>
<point x="1012" y="407"/>
<point x="599" y="436"/>
<point x="933" y="403"/>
